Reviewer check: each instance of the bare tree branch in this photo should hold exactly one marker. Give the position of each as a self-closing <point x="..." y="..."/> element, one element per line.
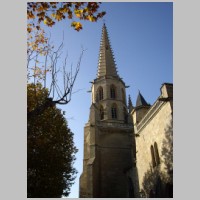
<point x="56" y="94"/>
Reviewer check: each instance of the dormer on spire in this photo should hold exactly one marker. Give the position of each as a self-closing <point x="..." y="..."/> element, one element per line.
<point x="106" y="64"/>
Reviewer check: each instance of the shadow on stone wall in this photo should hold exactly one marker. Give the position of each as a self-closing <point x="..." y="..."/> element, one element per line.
<point x="158" y="183"/>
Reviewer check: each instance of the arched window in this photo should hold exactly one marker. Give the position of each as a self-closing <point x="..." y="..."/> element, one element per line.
<point x="156" y="154"/>
<point x="112" y="92"/>
<point x="114" y="111"/>
<point x="123" y="96"/>
<point x="99" y="95"/>
<point x="153" y="156"/>
<point x="101" y="112"/>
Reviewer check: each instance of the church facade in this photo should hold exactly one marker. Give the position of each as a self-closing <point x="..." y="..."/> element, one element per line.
<point x="153" y="127"/>
<point x="117" y="135"/>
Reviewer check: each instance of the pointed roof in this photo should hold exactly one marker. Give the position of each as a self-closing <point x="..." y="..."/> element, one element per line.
<point x="141" y="101"/>
<point x="106" y="64"/>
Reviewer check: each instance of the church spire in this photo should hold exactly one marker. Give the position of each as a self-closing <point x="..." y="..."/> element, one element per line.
<point x="106" y="64"/>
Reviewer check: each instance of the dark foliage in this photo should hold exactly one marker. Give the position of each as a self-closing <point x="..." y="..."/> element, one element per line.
<point x="50" y="150"/>
<point x="167" y="152"/>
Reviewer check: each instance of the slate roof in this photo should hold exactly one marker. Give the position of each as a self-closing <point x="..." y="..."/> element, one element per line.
<point x="141" y="101"/>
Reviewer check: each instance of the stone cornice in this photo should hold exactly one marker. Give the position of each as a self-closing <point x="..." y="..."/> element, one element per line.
<point x="103" y="78"/>
<point x="113" y="126"/>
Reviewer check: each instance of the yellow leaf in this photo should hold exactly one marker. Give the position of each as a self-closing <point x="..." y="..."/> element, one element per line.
<point x="64" y="9"/>
<point x="30" y="15"/>
<point x="85" y="9"/>
<point x="78" y="15"/>
<point x="91" y="18"/>
<point x="40" y="9"/>
<point x="53" y="15"/>
<point x="77" y="25"/>
<point x="58" y="16"/>
<point x="46" y="21"/>
<point x="29" y="29"/>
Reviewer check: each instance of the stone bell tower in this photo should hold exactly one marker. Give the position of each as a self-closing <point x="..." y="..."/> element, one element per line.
<point x="109" y="148"/>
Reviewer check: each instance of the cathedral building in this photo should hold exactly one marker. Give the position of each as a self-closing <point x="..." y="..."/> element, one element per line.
<point x="118" y="138"/>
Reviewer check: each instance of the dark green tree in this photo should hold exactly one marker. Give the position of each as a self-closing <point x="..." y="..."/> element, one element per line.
<point x="50" y="149"/>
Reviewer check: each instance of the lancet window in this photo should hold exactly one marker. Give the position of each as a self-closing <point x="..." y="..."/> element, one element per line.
<point x="156" y="154"/>
<point x="99" y="95"/>
<point x="112" y="92"/>
<point x="153" y="156"/>
<point x="114" y="111"/>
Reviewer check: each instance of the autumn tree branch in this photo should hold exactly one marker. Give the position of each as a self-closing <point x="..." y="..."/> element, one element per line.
<point x="59" y="93"/>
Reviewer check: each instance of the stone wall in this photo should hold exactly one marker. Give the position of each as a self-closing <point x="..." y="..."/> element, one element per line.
<point x="152" y="129"/>
<point x="153" y="132"/>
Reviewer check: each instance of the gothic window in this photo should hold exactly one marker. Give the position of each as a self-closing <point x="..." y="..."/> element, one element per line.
<point x="99" y="95"/>
<point x="123" y="96"/>
<point x="101" y="112"/>
<point x="153" y="156"/>
<point x="114" y="111"/>
<point x="157" y="158"/>
<point x="112" y="92"/>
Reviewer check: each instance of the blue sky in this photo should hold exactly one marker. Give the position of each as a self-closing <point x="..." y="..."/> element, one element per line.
<point x="141" y="36"/>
